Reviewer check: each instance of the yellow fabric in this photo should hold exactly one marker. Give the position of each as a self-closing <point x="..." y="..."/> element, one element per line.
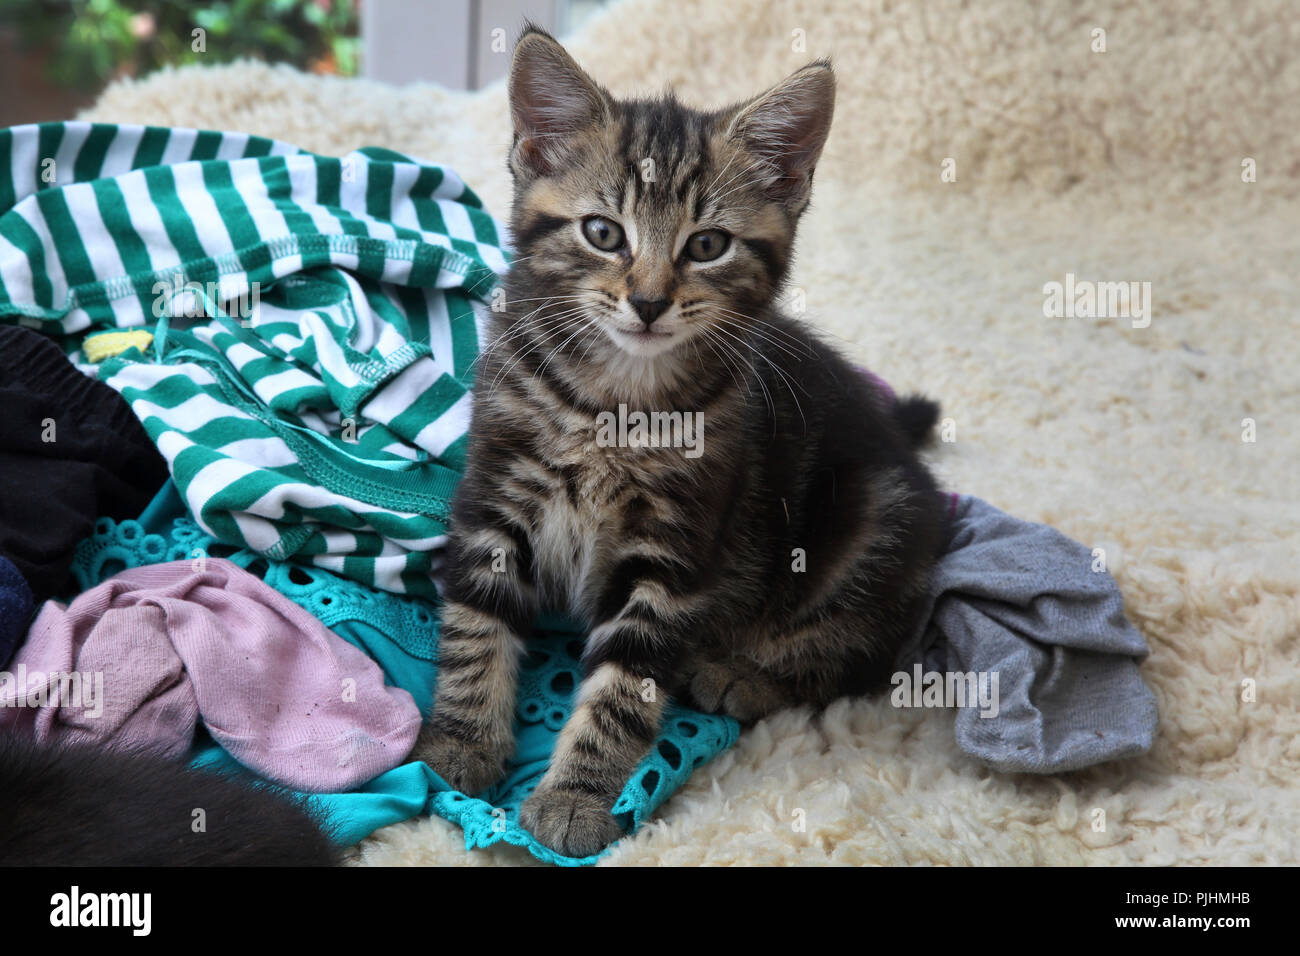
<point x="108" y="344"/>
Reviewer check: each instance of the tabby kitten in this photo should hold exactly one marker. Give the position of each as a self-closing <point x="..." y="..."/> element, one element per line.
<point x="781" y="562"/>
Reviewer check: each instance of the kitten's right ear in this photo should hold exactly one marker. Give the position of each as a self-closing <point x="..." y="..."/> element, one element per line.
<point x="551" y="99"/>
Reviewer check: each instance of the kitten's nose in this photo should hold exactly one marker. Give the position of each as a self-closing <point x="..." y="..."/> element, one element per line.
<point x="648" y="309"/>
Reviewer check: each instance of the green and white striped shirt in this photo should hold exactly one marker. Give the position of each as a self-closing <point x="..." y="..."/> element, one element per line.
<point x="314" y="324"/>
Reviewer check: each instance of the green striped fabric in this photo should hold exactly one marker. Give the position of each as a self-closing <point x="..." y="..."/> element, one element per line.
<point x="315" y="323"/>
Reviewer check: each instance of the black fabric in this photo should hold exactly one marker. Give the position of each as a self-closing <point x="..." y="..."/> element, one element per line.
<point x="71" y="450"/>
<point x="15" y="609"/>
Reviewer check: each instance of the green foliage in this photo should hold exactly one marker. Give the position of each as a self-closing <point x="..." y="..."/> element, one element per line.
<point x="92" y="41"/>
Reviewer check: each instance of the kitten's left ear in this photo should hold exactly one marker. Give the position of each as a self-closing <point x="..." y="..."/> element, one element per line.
<point x="787" y="127"/>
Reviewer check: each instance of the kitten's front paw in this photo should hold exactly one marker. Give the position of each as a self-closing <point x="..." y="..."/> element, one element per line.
<point x="469" y="767"/>
<point x="572" y="822"/>
<point x="737" y="690"/>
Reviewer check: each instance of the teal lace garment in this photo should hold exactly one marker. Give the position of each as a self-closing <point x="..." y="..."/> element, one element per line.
<point x="400" y="633"/>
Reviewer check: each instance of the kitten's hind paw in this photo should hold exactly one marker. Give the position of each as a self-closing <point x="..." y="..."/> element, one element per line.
<point x="737" y="690"/>
<point x="572" y="822"/>
<point x="469" y="767"/>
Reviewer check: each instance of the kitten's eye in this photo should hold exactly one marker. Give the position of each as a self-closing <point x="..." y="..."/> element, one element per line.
<point x="602" y="233"/>
<point x="707" y="245"/>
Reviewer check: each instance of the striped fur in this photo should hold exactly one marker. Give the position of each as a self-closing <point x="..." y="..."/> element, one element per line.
<point x="783" y="564"/>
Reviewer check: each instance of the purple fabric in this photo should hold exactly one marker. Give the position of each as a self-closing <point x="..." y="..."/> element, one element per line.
<point x="883" y="387"/>
<point x="887" y="393"/>
<point x="157" y="648"/>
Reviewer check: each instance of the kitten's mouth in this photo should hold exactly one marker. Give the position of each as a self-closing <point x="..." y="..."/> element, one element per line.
<point x="647" y="335"/>
<point x="643" y="341"/>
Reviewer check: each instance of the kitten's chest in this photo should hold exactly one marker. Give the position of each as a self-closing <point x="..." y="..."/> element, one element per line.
<point x="579" y="526"/>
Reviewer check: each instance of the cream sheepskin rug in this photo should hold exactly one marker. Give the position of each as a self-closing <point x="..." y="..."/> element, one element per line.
<point x="1123" y="165"/>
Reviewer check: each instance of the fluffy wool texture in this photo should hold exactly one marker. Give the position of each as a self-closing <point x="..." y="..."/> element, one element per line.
<point x="1122" y="165"/>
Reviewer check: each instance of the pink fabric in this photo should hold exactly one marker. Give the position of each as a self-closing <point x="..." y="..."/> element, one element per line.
<point x="170" y="644"/>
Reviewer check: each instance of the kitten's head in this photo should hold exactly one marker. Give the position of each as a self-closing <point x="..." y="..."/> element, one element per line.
<point x="649" y="223"/>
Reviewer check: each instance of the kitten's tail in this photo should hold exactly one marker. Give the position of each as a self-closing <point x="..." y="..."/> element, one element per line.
<point x="82" y="806"/>
<point x="916" y="416"/>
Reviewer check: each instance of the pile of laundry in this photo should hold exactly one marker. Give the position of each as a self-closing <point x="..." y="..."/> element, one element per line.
<point x="236" y="379"/>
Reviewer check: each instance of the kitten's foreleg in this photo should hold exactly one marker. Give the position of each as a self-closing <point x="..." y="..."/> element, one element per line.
<point x="609" y="732"/>
<point x="470" y="734"/>
<point x="617" y="717"/>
